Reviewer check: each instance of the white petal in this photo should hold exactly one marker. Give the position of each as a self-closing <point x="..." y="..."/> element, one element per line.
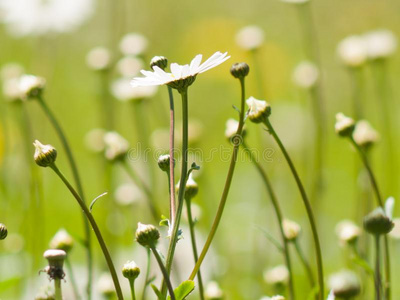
<point x="389" y="206"/>
<point x="176" y="70"/>
<point x="215" y="60"/>
<point x="194" y="65"/>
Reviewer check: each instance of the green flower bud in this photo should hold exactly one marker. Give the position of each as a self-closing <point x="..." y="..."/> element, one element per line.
<point x="62" y="240"/>
<point x="377" y="222"/>
<point x="56" y="259"/>
<point x="130" y="270"/>
<point x="345" y="285"/>
<point x="164" y="162"/>
<point x="159" y="61"/>
<point x="45" y="155"/>
<point x="240" y="70"/>
<point x="3" y="231"/>
<point x="344" y="126"/>
<point x="147" y="235"/>
<point x="259" y="110"/>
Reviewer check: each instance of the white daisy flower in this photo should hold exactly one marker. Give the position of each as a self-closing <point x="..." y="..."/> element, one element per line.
<point x="181" y="76"/>
<point x="38" y="17"/>
<point x="353" y="51"/>
<point x="380" y="43"/>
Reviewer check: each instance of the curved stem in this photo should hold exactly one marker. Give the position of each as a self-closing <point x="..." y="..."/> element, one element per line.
<point x="305" y="263"/>
<point x="95" y="229"/>
<point x="194" y="245"/>
<point x="132" y="286"/>
<point x="171" y="155"/>
<point x="57" y="289"/>
<point x="308" y="207"/>
<point x="227" y="186"/>
<point x="72" y="279"/>
<point x="146" y="279"/>
<point x="278" y="214"/>
<point x="377" y="269"/>
<point x="75" y="175"/>
<point x="164" y="272"/>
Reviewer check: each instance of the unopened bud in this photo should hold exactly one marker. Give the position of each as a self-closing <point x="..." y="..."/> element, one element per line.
<point x="31" y="86"/>
<point x="344" y="125"/>
<point x="291" y="229"/>
<point x="213" y="291"/>
<point x="62" y="240"/>
<point x="159" y="61"/>
<point x="3" y="231"/>
<point x="377" y="222"/>
<point x="240" y="70"/>
<point x="345" y="284"/>
<point x="259" y="110"/>
<point x="364" y="135"/>
<point x="147" y="235"/>
<point x="347" y="232"/>
<point x="45" y="155"/>
<point x="56" y="259"/>
<point x="130" y="270"/>
<point x="164" y="162"/>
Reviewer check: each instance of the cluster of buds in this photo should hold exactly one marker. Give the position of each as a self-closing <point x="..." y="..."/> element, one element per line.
<point x="45" y="155"/>
<point x="147" y="235"/>
<point x="56" y="258"/>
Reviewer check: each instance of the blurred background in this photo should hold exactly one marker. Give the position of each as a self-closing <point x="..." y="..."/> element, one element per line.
<point x="88" y="90"/>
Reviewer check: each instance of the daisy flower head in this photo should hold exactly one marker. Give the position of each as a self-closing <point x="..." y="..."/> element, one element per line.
<point x="181" y="76"/>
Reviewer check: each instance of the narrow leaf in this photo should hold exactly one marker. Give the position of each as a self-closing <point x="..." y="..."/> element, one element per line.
<point x="183" y="290"/>
<point x="94" y="201"/>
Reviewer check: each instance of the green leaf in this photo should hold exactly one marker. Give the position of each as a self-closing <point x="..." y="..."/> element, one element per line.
<point x="271" y="239"/>
<point x="157" y="292"/>
<point x="94" y="201"/>
<point x="183" y="290"/>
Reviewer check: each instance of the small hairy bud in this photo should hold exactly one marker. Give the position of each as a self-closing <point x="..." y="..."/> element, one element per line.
<point x="344" y="125"/>
<point x="347" y="232"/>
<point x="159" y="61"/>
<point x="377" y="222"/>
<point x="45" y="155"/>
<point x="56" y="259"/>
<point x="259" y="110"/>
<point x="31" y="86"/>
<point x="345" y="284"/>
<point x="130" y="270"/>
<point x="147" y="235"/>
<point x="240" y="70"/>
<point x="291" y="229"/>
<point x="3" y="231"/>
<point x="62" y="240"/>
<point x="164" y="162"/>
<point x="364" y="135"/>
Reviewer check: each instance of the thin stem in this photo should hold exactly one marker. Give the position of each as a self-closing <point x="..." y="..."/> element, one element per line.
<point x="72" y="279"/>
<point x="75" y="175"/>
<point x="377" y="269"/>
<point x="95" y="229"/>
<point x="305" y="263"/>
<point x="171" y="176"/>
<point x="182" y="185"/>
<point x="146" y="279"/>
<point x="164" y="272"/>
<point x="278" y="214"/>
<point x="132" y="286"/>
<point x="57" y="289"/>
<point x="237" y="140"/>
<point x="308" y="207"/>
<point x="194" y="245"/>
<point x="138" y="180"/>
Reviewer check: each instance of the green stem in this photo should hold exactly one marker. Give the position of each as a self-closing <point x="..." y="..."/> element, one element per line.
<point x="305" y="263"/>
<point x="78" y="184"/>
<point x="72" y="279"/>
<point x="236" y="141"/>
<point x="146" y="279"/>
<point x="278" y="214"/>
<point x="308" y="207"/>
<point x="182" y="185"/>
<point x="377" y="269"/>
<point x="164" y="272"/>
<point x="132" y="286"/>
<point x="96" y="230"/>
<point x="57" y="289"/>
<point x="138" y="180"/>
<point x="171" y="176"/>
<point x="194" y="245"/>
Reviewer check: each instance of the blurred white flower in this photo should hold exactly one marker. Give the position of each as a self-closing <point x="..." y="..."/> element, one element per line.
<point x="353" y="51"/>
<point x="364" y="134"/>
<point x="389" y="207"/>
<point x="277" y="275"/>
<point x="30" y="84"/>
<point x="127" y="193"/>
<point x="38" y="17"/>
<point x="231" y="128"/>
<point x="129" y="66"/>
<point x="11" y="90"/>
<point x="213" y="291"/>
<point x="306" y="74"/>
<point x="94" y="140"/>
<point x="344" y="125"/>
<point x="347" y="231"/>
<point x="291" y="229"/>
<point x="122" y="90"/>
<point x="250" y="37"/>
<point x="115" y="145"/>
<point x="105" y="285"/>
<point x="345" y="284"/>
<point x="380" y="43"/>
<point x="133" y="44"/>
<point x="181" y="76"/>
<point x="11" y="71"/>
<point x="99" y="58"/>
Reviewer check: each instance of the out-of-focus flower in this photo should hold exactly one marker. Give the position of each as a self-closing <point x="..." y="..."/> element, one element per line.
<point x="129" y="66"/>
<point x="250" y="37"/>
<point x="98" y="59"/>
<point x="344" y="125"/>
<point x="11" y="90"/>
<point x="122" y="90"/>
<point x="380" y="43"/>
<point x="133" y="44"/>
<point x="347" y="231"/>
<point x="378" y="222"/>
<point x="94" y="140"/>
<point x="306" y="74"/>
<point x="31" y="86"/>
<point x="3" y="231"/>
<point x="115" y="146"/>
<point x="181" y="76"/>
<point x="276" y="276"/>
<point x="353" y="51"/>
<point x="291" y="229"/>
<point x="231" y="128"/>
<point x="105" y="285"/>
<point x="345" y="284"/>
<point x="213" y="291"/>
<point x="127" y="193"/>
<point x="364" y="135"/>
<point x="11" y="71"/>
<point x="62" y="240"/>
<point x="38" y="17"/>
<point x="395" y="233"/>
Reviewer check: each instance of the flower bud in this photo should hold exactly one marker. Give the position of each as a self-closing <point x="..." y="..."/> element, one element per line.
<point x="259" y="110"/>
<point x="345" y="284"/>
<point x="231" y="127"/>
<point x="164" y="162"/>
<point x="291" y="229"/>
<point x="56" y="259"/>
<point x="250" y="37"/>
<point x="191" y="189"/>
<point x="347" y="232"/>
<point x="62" y="240"/>
<point x="278" y="275"/>
<point x="147" y="235"/>
<point x="364" y="135"/>
<point x="240" y="70"/>
<point x="377" y="222"/>
<point x="116" y="147"/>
<point x="31" y="86"/>
<point x="159" y="61"/>
<point x="130" y="270"/>
<point x="3" y="231"/>
<point x="213" y="291"/>
<point x="45" y="155"/>
<point x="98" y="59"/>
<point x="344" y="126"/>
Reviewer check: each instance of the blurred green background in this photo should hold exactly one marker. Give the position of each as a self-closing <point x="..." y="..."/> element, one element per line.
<point x="179" y="30"/>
